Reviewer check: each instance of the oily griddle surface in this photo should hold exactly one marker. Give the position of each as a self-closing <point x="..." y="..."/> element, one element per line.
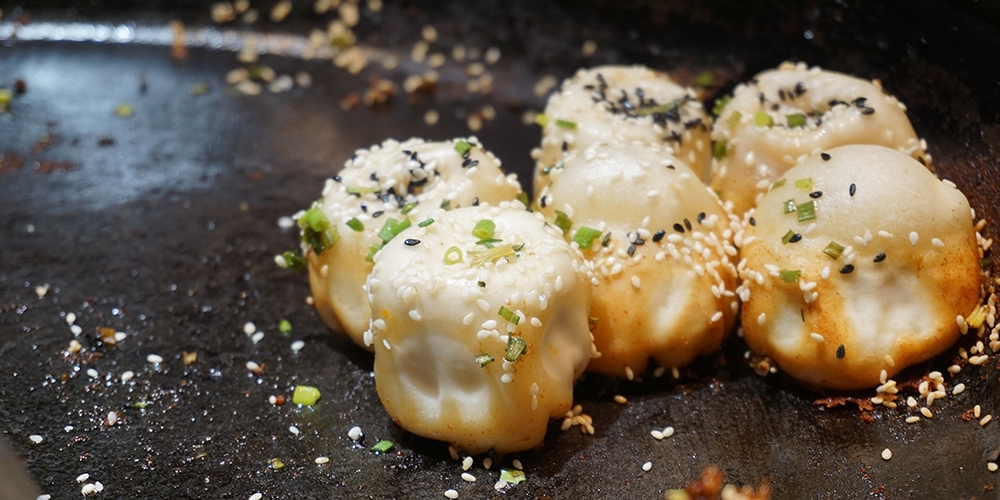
<point x="163" y="225"/>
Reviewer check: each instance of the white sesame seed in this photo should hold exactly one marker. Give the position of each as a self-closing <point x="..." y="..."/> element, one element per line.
<point x="620" y="399"/>
<point x="249" y="328"/>
<point x="978" y="360"/>
<point x="517" y="464"/>
<point x="88" y="489"/>
<point x="120" y="336"/>
<point x="76" y="329"/>
<point x="914" y="237"/>
<point x="35" y="438"/>
<point x="44" y="497"/>
<point x="882" y="376"/>
<point x="154" y="358"/>
<point x="926" y="412"/>
<point x="92" y="373"/>
<point x="889" y="360"/>
<point x="886" y="454"/>
<point x="252" y="366"/>
<point x="629" y="374"/>
<point x="938" y="243"/>
<point x="985" y="420"/>
<point x="657" y="434"/>
<point x="272" y="399"/>
<point x="322" y="460"/>
<point x="487" y="463"/>
<point x="468" y="477"/>
<point x="82" y="477"/>
<point x="761" y="319"/>
<point x="991" y="466"/>
<point x="959" y="388"/>
<point x="256" y="496"/>
<point x="647" y="466"/>
<point x="70" y="318"/>
<point x="467" y="463"/>
<point x="293" y="430"/>
<point x="127" y="376"/>
<point x="499" y="485"/>
<point x="298" y="345"/>
<point x="257" y="337"/>
<point x="976" y="411"/>
<point x="355" y="433"/>
<point x="507" y="378"/>
<point x="817" y="337"/>
<point x="715" y="317"/>
<point x="636" y="283"/>
<point x="112" y="418"/>
<point x="385" y="342"/>
<point x="913" y="419"/>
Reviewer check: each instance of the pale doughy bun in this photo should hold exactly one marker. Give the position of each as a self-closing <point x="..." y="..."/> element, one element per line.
<point x="664" y="283"/>
<point x="626" y="104"/>
<point x="376" y="185"/>
<point x="436" y="294"/>
<point x="908" y="268"/>
<point x="757" y="155"/>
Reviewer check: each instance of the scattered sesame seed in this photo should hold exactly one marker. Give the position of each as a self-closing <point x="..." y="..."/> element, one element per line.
<point x="112" y="418"/>
<point x="127" y="375"/>
<point x="517" y="464"/>
<point x="88" y="489"/>
<point x="889" y="360"/>
<point x="959" y="388"/>
<point x="976" y="410"/>
<point x="657" y="434"/>
<point x="293" y="430"/>
<point x="841" y="352"/>
<point x="628" y="373"/>
<point x="272" y="399"/>
<point x="253" y="366"/>
<point x="985" y="420"/>
<point x="937" y="242"/>
<point x="154" y="358"/>
<point x="886" y="454"/>
<point x="82" y="477"/>
<point x="879" y="257"/>
<point x="817" y="337"/>
<point x="355" y="433"/>
<point x="322" y="460"/>
<point x="914" y="237"/>
<point x="620" y="399"/>
<point x="467" y="463"/>
<point x="298" y="345"/>
<point x="92" y="373"/>
<point x="256" y="496"/>
<point x="249" y="328"/>
<point x="636" y="283"/>
<point x="647" y="466"/>
<point x="76" y="329"/>
<point x="913" y="419"/>
<point x="991" y="466"/>
<point x="824" y="156"/>
<point x="925" y="411"/>
<point x="468" y="477"/>
<point x="70" y="318"/>
<point x="668" y="431"/>
<point x="35" y="438"/>
<point x="487" y="463"/>
<point x="257" y="337"/>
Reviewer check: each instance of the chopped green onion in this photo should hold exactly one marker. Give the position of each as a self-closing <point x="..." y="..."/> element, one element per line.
<point x="806" y="211"/>
<point x="140" y="405"/>
<point x="763" y="119"/>
<point x="566" y="124"/>
<point x="488" y="242"/>
<point x="362" y="190"/>
<point x="660" y="108"/>
<point x="446" y="205"/>
<point x="425" y="223"/>
<point x="482" y="284"/>
<point x="806" y="183"/>
<point x="562" y="221"/>
<point x="198" y="88"/>
<point x="796" y="120"/>
<point x="541" y="119"/>
<point x="391" y="228"/>
<point x="284" y="326"/>
<point x="508" y="315"/>
<point x="790" y="276"/>
<point x="523" y="198"/>
<point x="484" y="229"/>
<point x="452" y="255"/>
<point x="408" y="207"/>
<point x="492" y="254"/>
<point x="124" y="110"/>
<point x="5" y="97"/>
<point x="734" y="119"/>
<point x="317" y="231"/>
<point x="512" y="476"/>
<point x="293" y="260"/>
<point x="592" y="320"/>
<point x="462" y="147"/>
<point x="556" y="166"/>
<point x="720" y="103"/>
<point x="833" y="250"/>
<point x="372" y="250"/>
<point x="276" y="463"/>
<point x="516" y="346"/>
<point x="776" y="185"/>
<point x="719" y="149"/>
<point x="585" y="237"/>
<point x="789" y="206"/>
<point x="787" y="237"/>
<point x="305" y="395"/>
<point x="704" y="79"/>
<point x="355" y="224"/>
<point x="382" y="446"/>
<point x="484" y="359"/>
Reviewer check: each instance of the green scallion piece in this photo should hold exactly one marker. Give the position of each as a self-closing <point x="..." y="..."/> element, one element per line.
<point x="806" y="211"/>
<point x="660" y="108"/>
<point x="592" y="320"/>
<point x="276" y="463"/>
<point x="508" y="315"/>
<point x="787" y="237"/>
<point x="523" y="198"/>
<point x="198" y="88"/>
<point x="704" y="79"/>
<point x="516" y="347"/>
<point x="481" y="284"/>
<point x="382" y="446"/>
<point x="355" y="224"/>
<point x="720" y="103"/>
<point x="408" y="207"/>
<point x="391" y="228"/>
<point x="720" y="149"/>
<point x="776" y="185"/>
<point x="305" y="395"/>
<point x="493" y="254"/>
<point x="293" y="260"/>
<point x="734" y="119"/>
<point x="541" y="119"/>
<point x="763" y="119"/>
<point x="512" y="476"/>
<point x="806" y="183"/>
<point x="566" y="124"/>
<point x="585" y="237"/>
<point x="484" y="229"/>
<point x="284" y="326"/>
<point x="372" y="250"/>
<point x="446" y="205"/>
<point x="453" y="255"/>
<point x="317" y="231"/>
<point x="425" y="222"/>
<point x="796" y="120"/>
<point x="462" y="147"/>
<point x="833" y="250"/>
<point x="484" y="359"/>
<point x="488" y="242"/>
<point x="606" y="239"/>
<point x="788" y="206"/>
<point x="361" y="190"/>
<point x="562" y="221"/>
<point x="124" y="110"/>
<point x="790" y="276"/>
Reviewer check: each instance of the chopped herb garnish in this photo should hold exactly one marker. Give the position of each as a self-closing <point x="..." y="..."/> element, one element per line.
<point x="592" y="320"/>
<point x="372" y="250"/>
<point x="763" y="119"/>
<point x="382" y="446"/>
<point x="659" y="108"/>
<point x="317" y="231"/>
<point x="806" y="183"/>
<point x="482" y="284"/>
<point x="523" y="198"/>
<point x="492" y="254"/>
<point x="776" y="185"/>
<point x="355" y="224"/>
<point x="361" y="190"/>
<point x="789" y="206"/>
<point x="833" y="250"/>
<point x="788" y="237"/>
<point x="452" y="255"/>
<point x="446" y="205"/>
<point x="305" y="395"/>
<point x="585" y="237"/>
<point x="484" y="229"/>
<point x="509" y="315"/>
<point x="566" y="124"/>
<point x="484" y="359"/>
<point x="719" y="149"/>
<point x="425" y="223"/>
<point x="734" y="119"/>
<point x="704" y="79"/>
<point x="293" y="260"/>
<point x="462" y="147"/>
<point x="806" y="211"/>
<point x="541" y="119"/>
<point x="516" y="346"/>
<point x="124" y="110"/>
<point x="276" y="463"/>
<point x="720" y="103"/>
<point x="562" y="221"/>
<point x="790" y="276"/>
<point x="391" y="228"/>
<point x="796" y="120"/>
<point x="284" y="326"/>
<point x="407" y="208"/>
<point x="5" y="97"/>
<point x="512" y="476"/>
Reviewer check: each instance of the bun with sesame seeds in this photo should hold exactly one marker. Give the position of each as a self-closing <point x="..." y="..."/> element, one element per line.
<point x="659" y="255"/>
<point x="859" y="260"/>
<point x="784" y="114"/>
<point x="479" y="327"/>
<point x="392" y="182"/>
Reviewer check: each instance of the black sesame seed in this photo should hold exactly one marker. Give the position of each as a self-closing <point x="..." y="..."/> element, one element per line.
<point x="671" y="167"/>
<point x="475" y="201"/>
<point x="824" y="156"/>
<point x="880" y="257"/>
<point x="800" y="88"/>
<point x="639" y="241"/>
<point x="848" y="269"/>
<point x="781" y="94"/>
<point x="687" y="224"/>
<point x="753" y="222"/>
<point x="659" y="236"/>
<point x="466" y="163"/>
<point x="815" y="194"/>
<point x="631" y="250"/>
<point x="679" y="228"/>
<point x="374" y="177"/>
<point x="841" y="352"/>
<point x="922" y="161"/>
<point x="701" y="217"/>
<point x="565" y="146"/>
<point x="868" y="111"/>
<point x="795" y="238"/>
<point x="411" y="242"/>
<point x="853" y="189"/>
<point x="364" y="208"/>
<point x="802" y="314"/>
<point x="376" y="215"/>
<point x="473" y="163"/>
<point x="543" y="201"/>
<point x="337" y="178"/>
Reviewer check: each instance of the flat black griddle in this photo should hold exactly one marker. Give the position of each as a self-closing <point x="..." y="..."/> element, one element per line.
<point x="163" y="225"/>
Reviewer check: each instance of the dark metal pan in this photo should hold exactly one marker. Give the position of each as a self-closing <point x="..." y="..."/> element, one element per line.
<point x="162" y="225"/>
